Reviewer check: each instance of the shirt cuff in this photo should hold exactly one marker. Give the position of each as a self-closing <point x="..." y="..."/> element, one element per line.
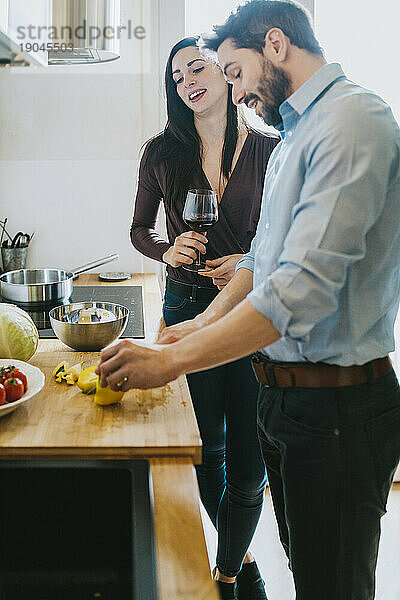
<point x="265" y="299"/>
<point x="247" y="262"/>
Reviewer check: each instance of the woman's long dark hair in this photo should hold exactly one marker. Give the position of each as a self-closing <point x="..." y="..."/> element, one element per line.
<point x="178" y="146"/>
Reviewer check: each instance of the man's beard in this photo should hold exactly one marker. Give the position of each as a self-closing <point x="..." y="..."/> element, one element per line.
<point x="275" y="87"/>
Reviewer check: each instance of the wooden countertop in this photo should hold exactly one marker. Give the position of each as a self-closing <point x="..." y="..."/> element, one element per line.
<point x="183" y="570"/>
<point x="62" y="421"/>
<point x="156" y="424"/>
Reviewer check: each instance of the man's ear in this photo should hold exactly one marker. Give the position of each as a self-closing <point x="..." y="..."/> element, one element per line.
<point x="276" y="45"/>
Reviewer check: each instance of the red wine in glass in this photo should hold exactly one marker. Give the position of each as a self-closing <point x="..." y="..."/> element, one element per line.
<point x="200" y="213"/>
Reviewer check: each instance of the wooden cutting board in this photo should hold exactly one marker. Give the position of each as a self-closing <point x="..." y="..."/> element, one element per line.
<point x="62" y="421"/>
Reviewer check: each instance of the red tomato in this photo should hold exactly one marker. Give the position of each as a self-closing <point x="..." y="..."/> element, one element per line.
<point x="14" y="389"/>
<point x="20" y="375"/>
<point x="3" y="395"/>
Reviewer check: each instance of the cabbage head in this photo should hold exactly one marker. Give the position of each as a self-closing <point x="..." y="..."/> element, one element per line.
<point x="18" y="334"/>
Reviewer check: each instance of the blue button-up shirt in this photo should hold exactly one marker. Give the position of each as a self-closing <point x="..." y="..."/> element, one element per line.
<point x="326" y="254"/>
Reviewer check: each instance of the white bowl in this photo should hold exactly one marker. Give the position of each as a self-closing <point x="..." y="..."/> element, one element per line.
<point x="35" y="383"/>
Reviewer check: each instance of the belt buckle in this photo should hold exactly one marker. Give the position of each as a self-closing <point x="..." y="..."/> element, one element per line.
<point x="266" y="368"/>
<point x="256" y="358"/>
<point x="260" y="373"/>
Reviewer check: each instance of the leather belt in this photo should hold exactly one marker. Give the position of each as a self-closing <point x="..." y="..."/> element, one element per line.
<point x="316" y="375"/>
<point x="193" y="292"/>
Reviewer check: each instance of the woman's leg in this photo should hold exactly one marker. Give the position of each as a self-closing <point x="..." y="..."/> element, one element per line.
<point x="241" y="505"/>
<point x="207" y="390"/>
<point x="224" y="401"/>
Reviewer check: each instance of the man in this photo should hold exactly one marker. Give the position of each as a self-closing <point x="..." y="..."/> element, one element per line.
<point x="318" y="294"/>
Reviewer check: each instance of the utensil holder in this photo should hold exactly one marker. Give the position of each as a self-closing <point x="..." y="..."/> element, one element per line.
<point x="14" y="258"/>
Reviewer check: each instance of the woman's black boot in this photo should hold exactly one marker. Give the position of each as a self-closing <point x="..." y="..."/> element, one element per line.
<point x="227" y="591"/>
<point x="250" y="584"/>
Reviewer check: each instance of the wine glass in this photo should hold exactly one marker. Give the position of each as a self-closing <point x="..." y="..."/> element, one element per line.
<point x="200" y="213"/>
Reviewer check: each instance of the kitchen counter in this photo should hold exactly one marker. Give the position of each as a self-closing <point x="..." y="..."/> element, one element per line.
<point x="157" y="424"/>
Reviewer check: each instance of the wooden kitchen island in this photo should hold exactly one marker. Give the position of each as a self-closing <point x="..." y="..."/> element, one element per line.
<point x="157" y="424"/>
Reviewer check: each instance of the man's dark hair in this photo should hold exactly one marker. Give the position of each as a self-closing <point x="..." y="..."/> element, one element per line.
<point x="251" y="21"/>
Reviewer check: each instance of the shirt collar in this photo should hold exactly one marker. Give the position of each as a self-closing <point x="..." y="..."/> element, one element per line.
<point x="306" y="94"/>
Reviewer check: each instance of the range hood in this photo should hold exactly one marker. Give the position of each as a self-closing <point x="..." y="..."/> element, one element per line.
<point x="59" y="32"/>
<point x="88" y="31"/>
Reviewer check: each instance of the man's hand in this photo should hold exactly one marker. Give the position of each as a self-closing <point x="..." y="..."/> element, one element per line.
<point x="215" y="337"/>
<point x="221" y="270"/>
<point x="128" y="365"/>
<point x="174" y="333"/>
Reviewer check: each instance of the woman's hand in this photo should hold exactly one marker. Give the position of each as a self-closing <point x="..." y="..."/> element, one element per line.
<point x="176" y="332"/>
<point x="221" y="270"/>
<point x="183" y="252"/>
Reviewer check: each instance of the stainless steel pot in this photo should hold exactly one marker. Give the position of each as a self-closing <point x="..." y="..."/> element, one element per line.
<point x="40" y="286"/>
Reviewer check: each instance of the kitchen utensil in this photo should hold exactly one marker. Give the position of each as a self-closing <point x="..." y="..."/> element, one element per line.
<point x="6" y="232"/>
<point x="38" y="286"/>
<point x="16" y="239"/>
<point x="23" y="241"/>
<point x="3" y="226"/>
<point x="14" y="258"/>
<point x="88" y="336"/>
<point x="35" y="383"/>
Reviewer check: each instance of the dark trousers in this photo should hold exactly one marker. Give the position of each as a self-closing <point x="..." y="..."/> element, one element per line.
<point x="331" y="455"/>
<point x="232" y="476"/>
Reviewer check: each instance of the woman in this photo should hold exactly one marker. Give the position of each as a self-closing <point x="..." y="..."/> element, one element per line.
<point x="206" y="145"/>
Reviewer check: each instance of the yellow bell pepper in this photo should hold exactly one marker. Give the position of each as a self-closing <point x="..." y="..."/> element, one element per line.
<point x="87" y="380"/>
<point x="59" y="371"/>
<point x="73" y="373"/>
<point x="69" y="374"/>
<point x="105" y="395"/>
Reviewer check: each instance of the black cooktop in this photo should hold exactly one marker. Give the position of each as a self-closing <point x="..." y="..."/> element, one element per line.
<point x="129" y="296"/>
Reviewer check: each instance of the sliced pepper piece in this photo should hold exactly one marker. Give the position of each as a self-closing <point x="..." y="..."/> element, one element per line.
<point x="69" y="379"/>
<point x="60" y="368"/>
<point x="75" y="371"/>
<point x="87" y="380"/>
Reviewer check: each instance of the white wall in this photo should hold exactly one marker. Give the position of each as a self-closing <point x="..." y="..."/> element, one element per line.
<point x="202" y="15"/>
<point x="363" y="36"/>
<point x="69" y="145"/>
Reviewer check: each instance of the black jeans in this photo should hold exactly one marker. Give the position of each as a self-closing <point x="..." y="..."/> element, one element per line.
<point x="331" y="455"/>
<point x="232" y="474"/>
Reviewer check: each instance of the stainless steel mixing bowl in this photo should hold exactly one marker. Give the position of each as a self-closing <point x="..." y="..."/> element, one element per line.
<point x="88" y="336"/>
